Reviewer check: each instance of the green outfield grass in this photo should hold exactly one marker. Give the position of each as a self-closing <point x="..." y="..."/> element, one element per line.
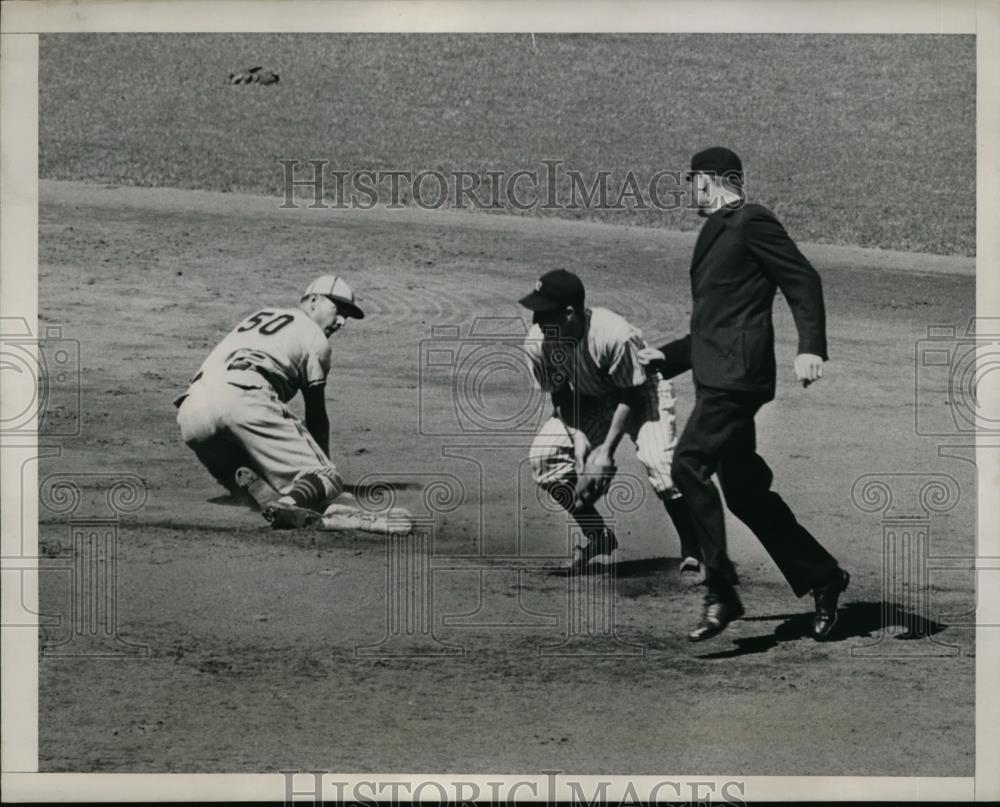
<point x="865" y="140"/>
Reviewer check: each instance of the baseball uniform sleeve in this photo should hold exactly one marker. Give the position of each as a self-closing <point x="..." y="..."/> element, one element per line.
<point x="533" y="350"/>
<point x="317" y="362"/>
<point x="782" y="262"/>
<point x="625" y="370"/>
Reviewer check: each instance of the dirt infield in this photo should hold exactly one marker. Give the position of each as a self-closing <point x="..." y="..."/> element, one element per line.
<point x="252" y="636"/>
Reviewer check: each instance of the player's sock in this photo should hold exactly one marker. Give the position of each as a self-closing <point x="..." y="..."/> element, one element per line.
<point x="683" y="520"/>
<point x="590" y="521"/>
<point x="307" y="491"/>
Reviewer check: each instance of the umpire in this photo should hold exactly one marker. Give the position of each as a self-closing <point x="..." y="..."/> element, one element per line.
<point x="742" y="256"/>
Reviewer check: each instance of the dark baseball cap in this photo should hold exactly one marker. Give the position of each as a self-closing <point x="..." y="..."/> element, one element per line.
<point x="555" y="289"/>
<point x="717" y="160"/>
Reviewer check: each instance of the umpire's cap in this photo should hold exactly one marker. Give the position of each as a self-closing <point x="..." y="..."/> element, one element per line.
<point x="555" y="289"/>
<point x="337" y="290"/>
<point x="720" y="161"/>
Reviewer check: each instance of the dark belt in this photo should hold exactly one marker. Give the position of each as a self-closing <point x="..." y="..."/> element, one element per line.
<point x="240" y="365"/>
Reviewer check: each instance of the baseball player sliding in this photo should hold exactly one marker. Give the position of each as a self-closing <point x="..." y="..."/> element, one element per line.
<point x="588" y="360"/>
<point x="233" y="414"/>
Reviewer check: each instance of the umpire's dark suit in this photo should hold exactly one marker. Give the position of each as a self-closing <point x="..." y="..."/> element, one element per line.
<point x="742" y="256"/>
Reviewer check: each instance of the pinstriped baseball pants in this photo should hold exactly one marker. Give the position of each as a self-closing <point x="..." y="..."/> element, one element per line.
<point x="652" y="427"/>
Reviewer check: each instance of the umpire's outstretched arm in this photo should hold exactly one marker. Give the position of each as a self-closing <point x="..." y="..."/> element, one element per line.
<point x="676" y="357"/>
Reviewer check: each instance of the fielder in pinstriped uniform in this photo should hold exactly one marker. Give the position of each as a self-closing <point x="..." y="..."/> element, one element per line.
<point x="588" y="360"/>
<point x="233" y="415"/>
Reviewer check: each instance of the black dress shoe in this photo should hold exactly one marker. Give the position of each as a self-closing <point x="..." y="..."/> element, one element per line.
<point x="720" y="610"/>
<point x="826" y="604"/>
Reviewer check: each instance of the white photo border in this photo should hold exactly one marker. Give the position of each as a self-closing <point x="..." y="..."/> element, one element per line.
<point x="21" y="24"/>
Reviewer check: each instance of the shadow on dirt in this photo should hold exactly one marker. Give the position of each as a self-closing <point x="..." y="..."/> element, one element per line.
<point x="648" y="577"/>
<point x="229" y="500"/>
<point x="645" y="567"/>
<point x="625" y="569"/>
<point x="857" y="619"/>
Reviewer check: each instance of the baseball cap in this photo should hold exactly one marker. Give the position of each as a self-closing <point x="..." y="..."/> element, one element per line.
<point x="717" y="160"/>
<point x="555" y="289"/>
<point x="337" y="290"/>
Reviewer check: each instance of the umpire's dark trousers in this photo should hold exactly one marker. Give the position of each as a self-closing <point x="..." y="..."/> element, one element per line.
<point x="720" y="437"/>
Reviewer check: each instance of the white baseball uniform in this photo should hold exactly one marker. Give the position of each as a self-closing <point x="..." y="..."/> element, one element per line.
<point x="233" y="414"/>
<point x="601" y="364"/>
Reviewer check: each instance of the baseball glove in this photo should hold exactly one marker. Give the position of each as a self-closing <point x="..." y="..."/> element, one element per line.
<point x="593" y="481"/>
<point x="253" y="75"/>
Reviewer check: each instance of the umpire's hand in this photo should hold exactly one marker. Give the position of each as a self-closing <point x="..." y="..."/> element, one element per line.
<point x="808" y="368"/>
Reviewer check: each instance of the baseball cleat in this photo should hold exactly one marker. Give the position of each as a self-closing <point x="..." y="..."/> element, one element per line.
<point x="583" y="555"/>
<point x="283" y="516"/>
<point x="395" y="521"/>
<point x="721" y="608"/>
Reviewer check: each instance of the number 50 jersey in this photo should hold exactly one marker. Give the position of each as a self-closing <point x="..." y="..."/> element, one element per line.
<point x="284" y="345"/>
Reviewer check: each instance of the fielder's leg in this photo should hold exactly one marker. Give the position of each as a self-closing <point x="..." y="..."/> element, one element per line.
<point x="288" y="458"/>
<point x="692" y="572"/>
<point x="554" y="470"/>
<point x="654" y="431"/>
<point x="200" y="418"/>
<point x="256" y="488"/>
